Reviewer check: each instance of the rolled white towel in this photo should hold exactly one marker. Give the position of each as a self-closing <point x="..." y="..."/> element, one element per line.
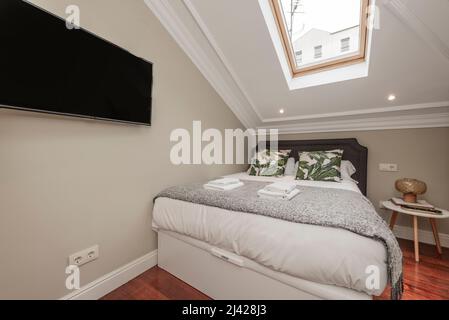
<point x="225" y="187"/>
<point x="265" y="194"/>
<point x="281" y="187"/>
<point x="224" y="181"/>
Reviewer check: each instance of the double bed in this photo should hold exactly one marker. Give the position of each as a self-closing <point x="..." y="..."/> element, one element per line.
<point x="230" y="254"/>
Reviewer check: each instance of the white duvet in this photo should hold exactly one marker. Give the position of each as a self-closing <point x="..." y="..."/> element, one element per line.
<point x="319" y="254"/>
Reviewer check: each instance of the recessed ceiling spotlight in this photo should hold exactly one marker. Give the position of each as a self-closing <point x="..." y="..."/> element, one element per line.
<point x="281" y="111"/>
<point x="391" y="97"/>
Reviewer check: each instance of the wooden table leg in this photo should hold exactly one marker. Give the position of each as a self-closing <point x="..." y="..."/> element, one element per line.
<point x="415" y="237"/>
<point x="433" y="223"/>
<point x="394" y="217"/>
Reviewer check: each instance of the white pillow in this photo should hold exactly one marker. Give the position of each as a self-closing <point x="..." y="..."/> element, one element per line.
<point x="290" y="167"/>
<point x="347" y="170"/>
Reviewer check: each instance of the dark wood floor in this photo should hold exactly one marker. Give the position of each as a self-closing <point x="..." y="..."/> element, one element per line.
<point x="428" y="279"/>
<point x="155" y="284"/>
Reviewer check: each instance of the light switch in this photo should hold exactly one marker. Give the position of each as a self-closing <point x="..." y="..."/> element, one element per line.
<point x="388" y="167"/>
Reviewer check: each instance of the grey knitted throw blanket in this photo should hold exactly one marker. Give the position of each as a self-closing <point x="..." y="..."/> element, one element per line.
<point x="327" y="207"/>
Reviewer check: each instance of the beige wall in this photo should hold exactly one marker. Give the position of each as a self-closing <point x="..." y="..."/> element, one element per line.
<point x="420" y="153"/>
<point x="67" y="184"/>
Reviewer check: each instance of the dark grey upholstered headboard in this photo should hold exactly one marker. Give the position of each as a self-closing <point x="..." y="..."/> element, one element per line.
<point x="353" y="152"/>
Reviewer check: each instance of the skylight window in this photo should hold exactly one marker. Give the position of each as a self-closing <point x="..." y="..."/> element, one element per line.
<point x="322" y="34"/>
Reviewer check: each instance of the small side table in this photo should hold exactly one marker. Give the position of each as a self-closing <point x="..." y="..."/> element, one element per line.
<point x="415" y="215"/>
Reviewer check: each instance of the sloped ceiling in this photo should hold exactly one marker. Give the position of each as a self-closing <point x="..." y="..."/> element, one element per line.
<point x="230" y="43"/>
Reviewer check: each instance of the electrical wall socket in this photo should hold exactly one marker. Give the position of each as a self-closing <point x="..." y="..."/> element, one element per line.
<point x="84" y="256"/>
<point x="388" y="167"/>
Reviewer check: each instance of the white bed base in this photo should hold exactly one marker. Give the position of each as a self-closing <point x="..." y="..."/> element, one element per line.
<point x="224" y="275"/>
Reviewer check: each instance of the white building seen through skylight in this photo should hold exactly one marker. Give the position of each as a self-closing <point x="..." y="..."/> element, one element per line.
<point x="318" y="34"/>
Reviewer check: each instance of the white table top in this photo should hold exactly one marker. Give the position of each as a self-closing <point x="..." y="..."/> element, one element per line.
<point x="390" y="205"/>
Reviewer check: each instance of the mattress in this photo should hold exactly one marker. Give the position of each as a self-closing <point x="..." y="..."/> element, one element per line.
<point x="314" y="253"/>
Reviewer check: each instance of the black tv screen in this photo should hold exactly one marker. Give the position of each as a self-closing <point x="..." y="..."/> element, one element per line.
<point x="46" y="67"/>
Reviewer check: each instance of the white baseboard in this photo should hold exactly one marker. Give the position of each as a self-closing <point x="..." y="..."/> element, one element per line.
<point x="423" y="235"/>
<point x="111" y="281"/>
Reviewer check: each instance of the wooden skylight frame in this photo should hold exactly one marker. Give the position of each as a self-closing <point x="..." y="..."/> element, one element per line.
<point x="296" y="71"/>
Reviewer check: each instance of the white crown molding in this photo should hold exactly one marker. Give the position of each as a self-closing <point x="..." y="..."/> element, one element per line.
<point x="189" y="5"/>
<point x="205" y="57"/>
<point x="412" y="107"/>
<point x="400" y="9"/>
<point x="111" y="281"/>
<point x="435" y="120"/>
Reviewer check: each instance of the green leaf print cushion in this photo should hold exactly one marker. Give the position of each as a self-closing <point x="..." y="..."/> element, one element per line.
<point x="320" y="165"/>
<point x="269" y="163"/>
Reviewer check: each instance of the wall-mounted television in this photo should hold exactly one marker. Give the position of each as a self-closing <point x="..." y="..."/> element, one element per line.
<point x="47" y="67"/>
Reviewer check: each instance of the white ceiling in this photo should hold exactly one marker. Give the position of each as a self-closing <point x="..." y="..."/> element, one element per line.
<point x="230" y="42"/>
<point x="434" y="14"/>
